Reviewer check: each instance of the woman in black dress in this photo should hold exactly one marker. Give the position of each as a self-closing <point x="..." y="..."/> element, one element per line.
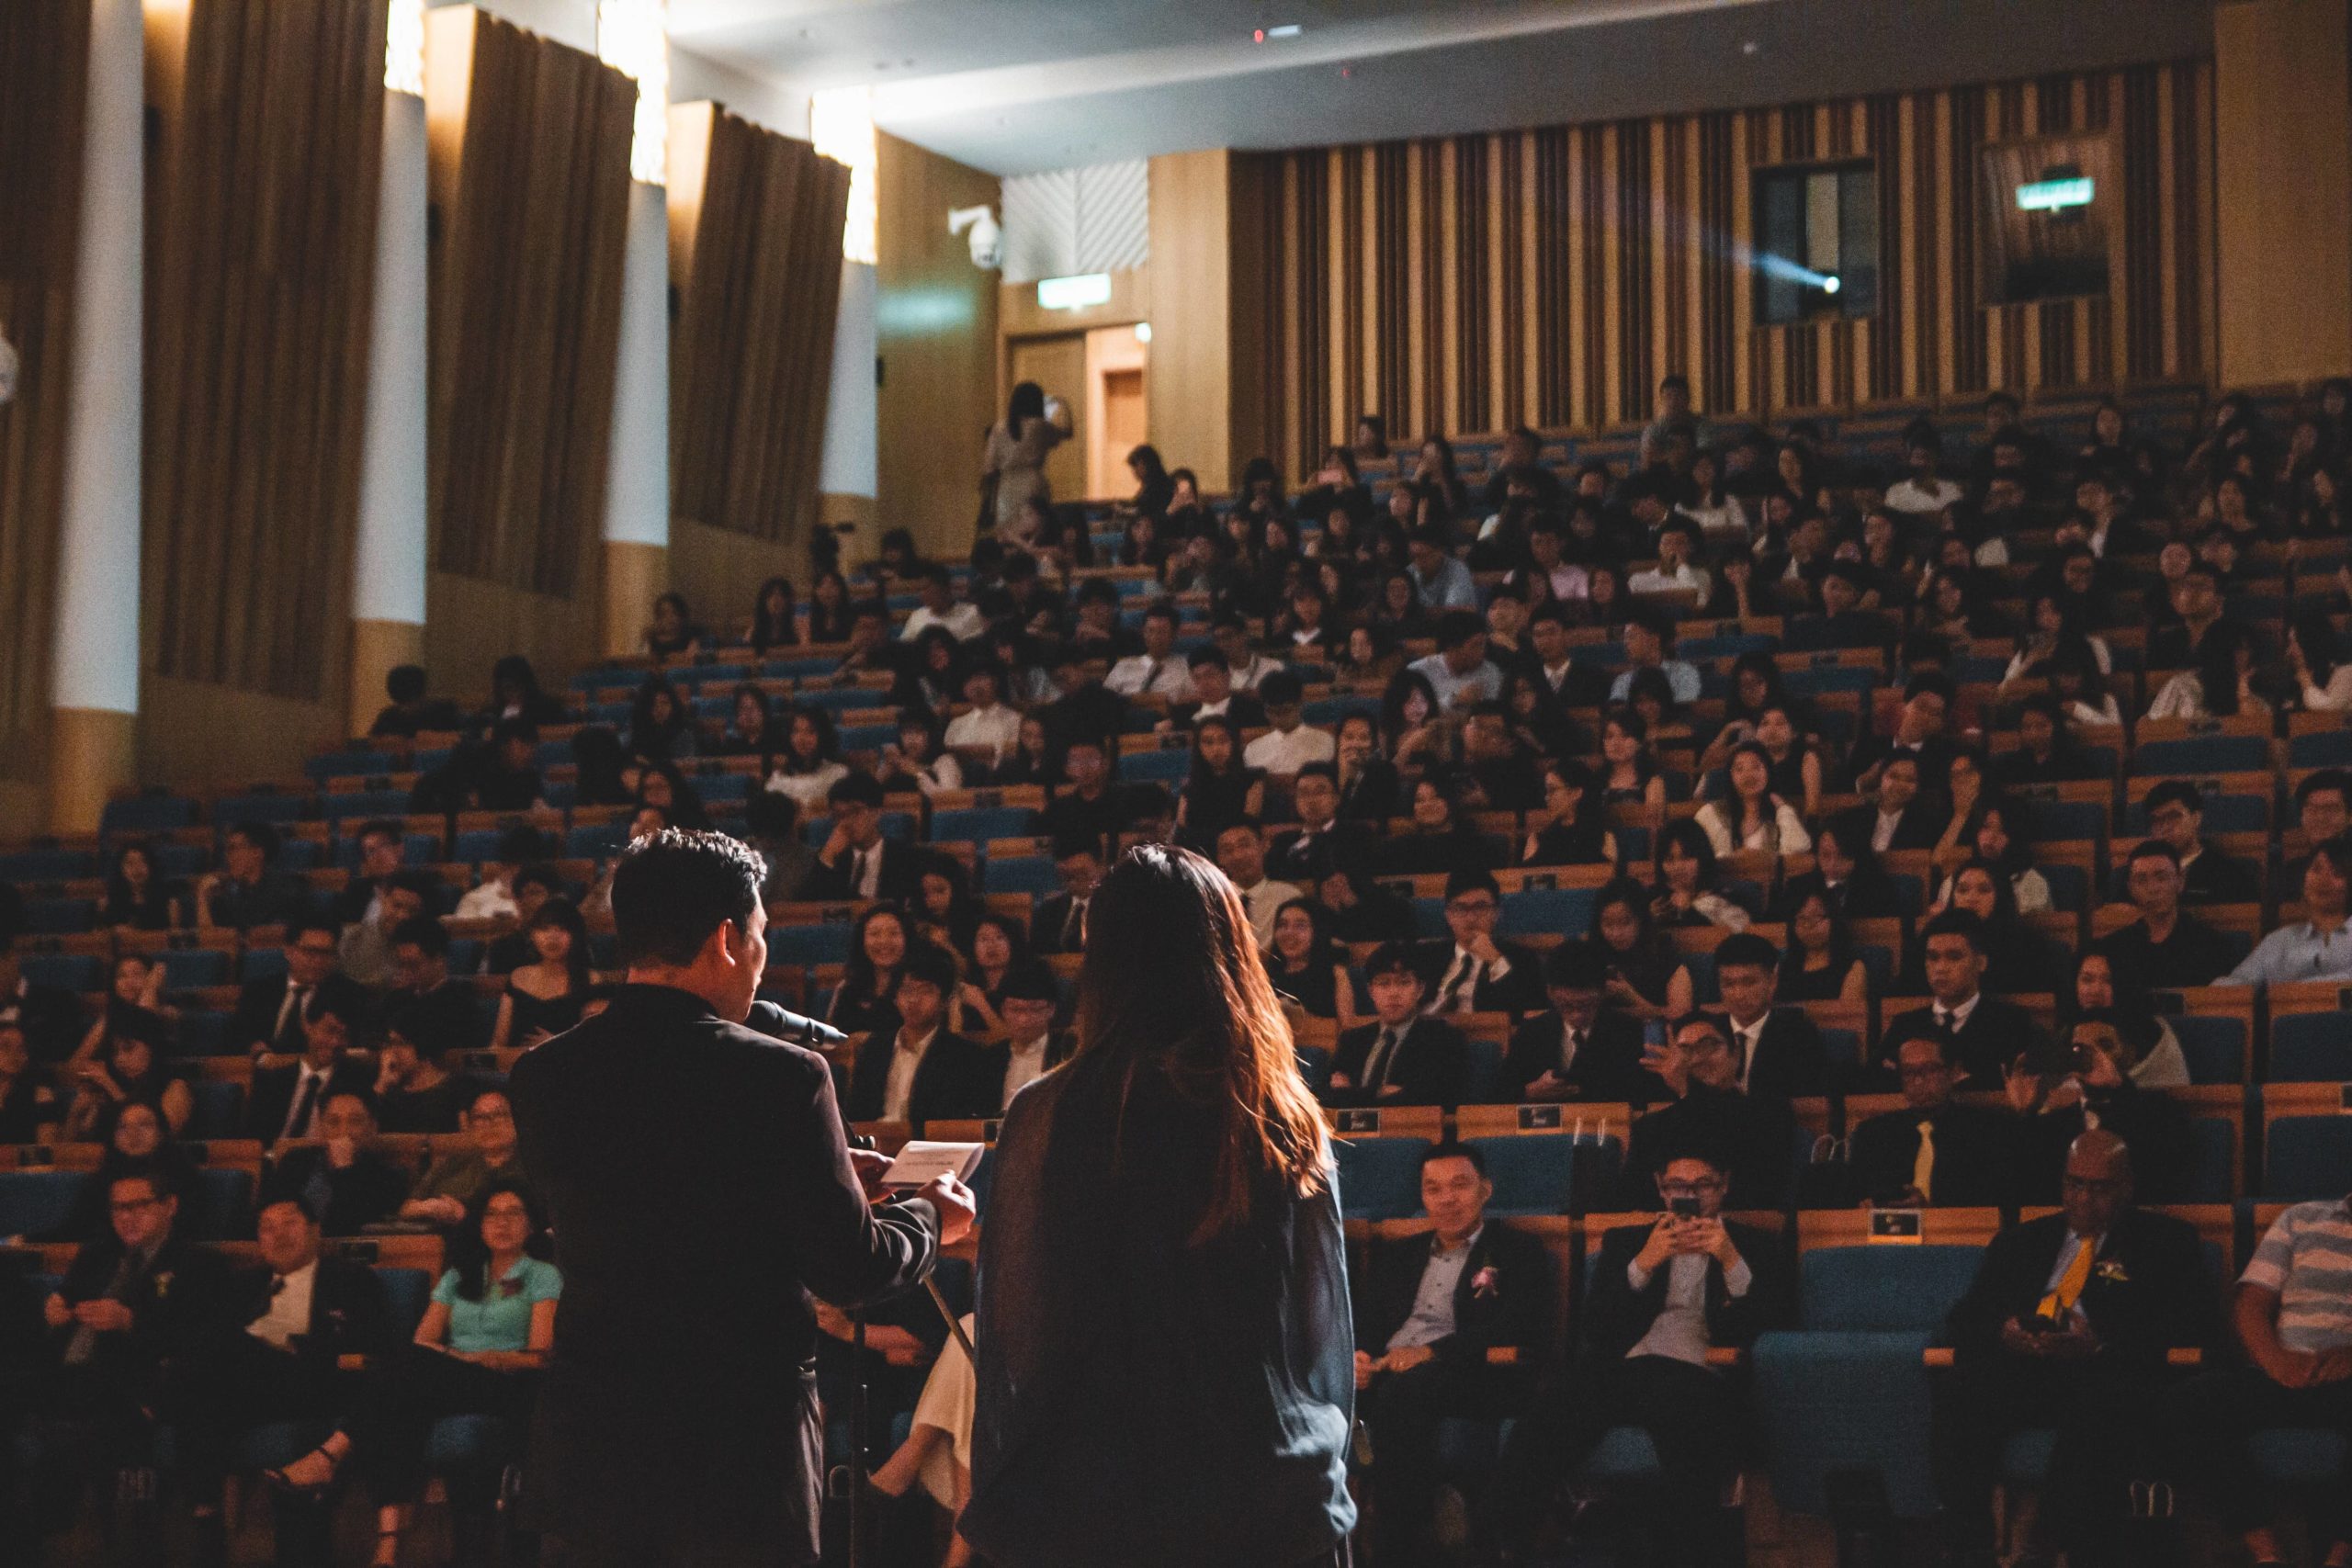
<point x="1221" y="790"/>
<point x="1646" y="978"/>
<point x="1308" y="966"/>
<point x="1820" y="965"/>
<point x="138" y="897"/>
<point x="1166" y="1366"/>
<point x="1575" y="835"/>
<point x="545" y="998"/>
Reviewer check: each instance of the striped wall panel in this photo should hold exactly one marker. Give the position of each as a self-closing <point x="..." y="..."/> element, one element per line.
<point x="1097" y="218"/>
<point x="44" y="55"/>
<point x="1552" y="275"/>
<point x="261" y="249"/>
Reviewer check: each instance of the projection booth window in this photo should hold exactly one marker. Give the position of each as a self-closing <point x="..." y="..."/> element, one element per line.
<point x="1816" y="242"/>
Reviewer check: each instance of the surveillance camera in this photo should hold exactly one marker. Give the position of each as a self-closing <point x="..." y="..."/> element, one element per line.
<point x="987" y="236"/>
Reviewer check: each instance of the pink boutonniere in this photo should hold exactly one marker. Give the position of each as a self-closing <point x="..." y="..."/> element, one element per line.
<point x="510" y="1289"/>
<point x="1485" y="1282"/>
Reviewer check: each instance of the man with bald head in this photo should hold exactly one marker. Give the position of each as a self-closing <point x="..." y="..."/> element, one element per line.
<point x="2066" y="1326"/>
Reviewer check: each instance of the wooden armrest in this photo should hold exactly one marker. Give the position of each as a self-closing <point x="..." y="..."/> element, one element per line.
<point x="1727" y="1356"/>
<point x="351" y="1362"/>
<point x="1502" y="1355"/>
<point x="1936" y="1356"/>
<point x="2184" y="1356"/>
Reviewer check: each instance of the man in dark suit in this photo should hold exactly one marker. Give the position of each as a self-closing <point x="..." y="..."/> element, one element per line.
<point x="1987" y="1034"/>
<point x="271" y="1354"/>
<point x="1095" y="806"/>
<point x="1662" y="1296"/>
<point x="1449" y="1323"/>
<point x="2175" y="809"/>
<point x="1304" y="855"/>
<point x="1473" y="972"/>
<point x="2091" y="1086"/>
<point x="1754" y="1138"/>
<point x="344" y="1181"/>
<point x="437" y="1013"/>
<point x="922" y="1071"/>
<point x="132" y="1307"/>
<point x="856" y="862"/>
<point x="1402" y="1058"/>
<point x="1779" y="1051"/>
<point x="1215" y="695"/>
<point x="289" y="1102"/>
<point x="2167" y="946"/>
<point x="1582" y="1048"/>
<point x="1059" y="924"/>
<point x="269" y="1007"/>
<point x="2066" y="1325"/>
<point x="678" y="1420"/>
<point x="1033" y="1046"/>
<point x="1934" y="1151"/>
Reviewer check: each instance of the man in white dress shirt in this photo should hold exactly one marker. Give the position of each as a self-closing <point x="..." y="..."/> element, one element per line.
<point x="1159" y="670"/>
<point x="1291" y="743"/>
<point x="1241" y="855"/>
<point x="940" y="607"/>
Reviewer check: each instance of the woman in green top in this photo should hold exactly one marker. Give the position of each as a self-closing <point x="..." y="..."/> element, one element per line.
<point x="477" y="1352"/>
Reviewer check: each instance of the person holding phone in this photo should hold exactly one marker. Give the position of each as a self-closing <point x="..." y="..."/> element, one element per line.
<point x="1664" y="1294"/>
<point x="2090" y="1084"/>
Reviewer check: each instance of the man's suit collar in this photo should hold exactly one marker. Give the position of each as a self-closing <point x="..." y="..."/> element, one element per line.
<point x="639" y="998"/>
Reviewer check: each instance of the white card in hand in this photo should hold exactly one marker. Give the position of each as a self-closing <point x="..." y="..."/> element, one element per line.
<point x="919" y="1162"/>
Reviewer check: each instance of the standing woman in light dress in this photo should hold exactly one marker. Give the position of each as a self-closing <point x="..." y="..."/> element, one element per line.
<point x="1017" y="449"/>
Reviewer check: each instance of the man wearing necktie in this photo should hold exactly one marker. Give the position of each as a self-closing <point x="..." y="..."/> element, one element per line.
<point x="133" y="1302"/>
<point x="1473" y="972"/>
<point x="1932" y="1150"/>
<point x="1988" y="1033"/>
<point x="1583" y="1048"/>
<point x="856" y="862"/>
<point x="1403" y="1058"/>
<point x="269" y="1008"/>
<point x="2067" y="1325"/>
<point x="286" y="1102"/>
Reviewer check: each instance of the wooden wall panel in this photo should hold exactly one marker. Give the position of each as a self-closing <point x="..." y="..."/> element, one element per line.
<point x="44" y="53"/>
<point x="1556" y="274"/>
<point x="937" y="332"/>
<point x="262" y="203"/>
<point x="529" y="175"/>
<point x="755" y="256"/>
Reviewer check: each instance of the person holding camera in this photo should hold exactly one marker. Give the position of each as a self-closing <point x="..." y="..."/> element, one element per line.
<point x="2090" y="1085"/>
<point x="2067" y="1325"/>
<point x="1664" y="1294"/>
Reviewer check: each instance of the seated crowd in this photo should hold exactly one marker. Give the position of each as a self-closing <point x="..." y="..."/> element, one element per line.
<point x="1694" y="766"/>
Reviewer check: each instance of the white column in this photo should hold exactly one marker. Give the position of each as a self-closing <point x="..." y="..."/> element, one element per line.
<point x="97" y="644"/>
<point x="388" y="575"/>
<point x="637" y="500"/>
<point x="93" y="679"/>
<point x="850" y="409"/>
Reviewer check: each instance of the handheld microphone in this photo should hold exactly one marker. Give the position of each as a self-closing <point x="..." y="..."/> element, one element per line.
<point x="773" y="1020"/>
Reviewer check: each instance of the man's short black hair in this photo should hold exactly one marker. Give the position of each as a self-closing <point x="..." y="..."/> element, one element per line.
<point x="1030" y="983"/>
<point x="1330" y="770"/>
<point x="932" y="964"/>
<point x="1672" y="380"/>
<point x="2175" y="792"/>
<point x="1923" y="1029"/>
<point x="2336" y="779"/>
<point x="1282" y="688"/>
<point x="382" y="827"/>
<point x="1098" y="591"/>
<point x="260" y="835"/>
<point x="674" y="889"/>
<point x="1653" y="620"/>
<point x="545" y="877"/>
<point x="423" y="933"/>
<point x="2153" y="849"/>
<point x="1550" y="610"/>
<point x="1458" y="626"/>
<point x="405" y="683"/>
<point x="937" y="573"/>
<point x="1161" y="610"/>
<point x="1454" y="1148"/>
<point x="1471" y="879"/>
<point x="1747" y="947"/>
<point x="857" y="789"/>
<point x="1712" y="1020"/>
<point x="1201" y="658"/>
<point x="302" y="924"/>
<point x="1576" y="966"/>
<point x="418" y="1021"/>
<point x="1955" y="922"/>
<point x="1436" y="537"/>
<point x="1070" y="844"/>
<point x="1392" y="958"/>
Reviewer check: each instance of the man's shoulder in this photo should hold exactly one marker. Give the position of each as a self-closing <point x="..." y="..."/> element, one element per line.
<point x="2146" y="1227"/>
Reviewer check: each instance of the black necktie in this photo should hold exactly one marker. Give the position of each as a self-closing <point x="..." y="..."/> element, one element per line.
<point x="288" y="1039"/>
<point x="298" y="1122"/>
<point x="1384" y="1052"/>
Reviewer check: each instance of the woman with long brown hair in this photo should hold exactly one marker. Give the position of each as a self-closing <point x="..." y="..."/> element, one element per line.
<point x="1167" y="1365"/>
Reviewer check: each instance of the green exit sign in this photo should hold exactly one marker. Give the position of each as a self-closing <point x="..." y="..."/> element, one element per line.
<point x="2054" y="195"/>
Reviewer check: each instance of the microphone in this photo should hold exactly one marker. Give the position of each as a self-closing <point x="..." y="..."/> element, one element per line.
<point x="773" y="1020"/>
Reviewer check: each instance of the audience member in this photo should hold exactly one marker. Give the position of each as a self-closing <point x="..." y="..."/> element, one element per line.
<point x="1241" y="855"/>
<point x="1033" y="1046"/>
<point x="412" y="1092"/>
<point x="2091" y="1086"/>
<point x="2176" y="812"/>
<point x="1698" y="1075"/>
<point x="1988" y="1033"/>
<point x="248" y="890"/>
<point x="1649" y="645"/>
<point x="1934" y="1150"/>
<point x="1584" y="1047"/>
<point x="1449" y="1326"/>
<point x="1777" y="1050"/>
<point x="1402" y="1058"/>
<point x="921" y="1071"/>
<point x="344" y="1182"/>
<point x="2166" y="947"/>
<point x="1059" y="923"/>
<point x="2067" y="1327"/>
<point x="857" y="861"/>
<point x="287" y="1102"/>
<point x="458" y="1179"/>
<point x="1472" y="971"/>
<point x="2318" y="946"/>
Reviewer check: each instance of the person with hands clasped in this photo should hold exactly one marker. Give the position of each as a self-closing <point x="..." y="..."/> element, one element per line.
<point x="1664" y="1295"/>
<point x="1448" y="1325"/>
<point x="2067" y="1325"/>
<point x="2293" y="1316"/>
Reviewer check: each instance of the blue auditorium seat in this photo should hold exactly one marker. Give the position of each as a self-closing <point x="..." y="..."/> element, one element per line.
<point x="1380" y="1178"/>
<point x="1169" y="765"/>
<point x="220" y="1108"/>
<point x="194" y="968"/>
<point x="980" y="824"/>
<point x="35" y="1204"/>
<point x="220" y="1205"/>
<point x="1533" y="1173"/>
<point x="47" y="863"/>
<point x="1548" y="911"/>
<point x="1021" y="873"/>
<point x="2307" y="1157"/>
<point x="2214" y="1047"/>
<point x="827" y="942"/>
<point x="2310" y="1047"/>
<point x="70" y="971"/>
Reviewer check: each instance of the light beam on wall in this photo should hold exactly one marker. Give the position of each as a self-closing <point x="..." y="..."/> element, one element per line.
<point x="633" y="37"/>
<point x="841" y="123"/>
<point x="404" y="47"/>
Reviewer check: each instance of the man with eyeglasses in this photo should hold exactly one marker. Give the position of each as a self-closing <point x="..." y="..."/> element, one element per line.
<point x="1933" y="1151"/>
<point x="1751" y="1136"/>
<point x="268" y="1020"/>
<point x="1033" y="1046"/>
<point x="1473" y="972"/>
<point x="2088" y="1089"/>
<point x="1664" y="1294"/>
<point x="2175" y="809"/>
<point x="455" y="1178"/>
<point x="134" y="1302"/>
<point x="2067" y="1325"/>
